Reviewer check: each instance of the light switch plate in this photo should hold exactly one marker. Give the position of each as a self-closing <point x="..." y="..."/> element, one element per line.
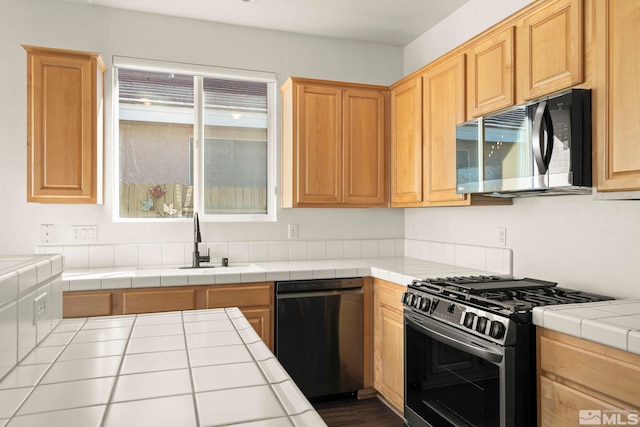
<point x="293" y="231"/>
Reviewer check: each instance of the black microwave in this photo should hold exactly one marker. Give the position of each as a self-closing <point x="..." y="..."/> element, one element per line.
<point x="542" y="147"/>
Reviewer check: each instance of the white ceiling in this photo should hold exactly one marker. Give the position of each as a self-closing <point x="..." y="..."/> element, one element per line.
<point x="392" y="22"/>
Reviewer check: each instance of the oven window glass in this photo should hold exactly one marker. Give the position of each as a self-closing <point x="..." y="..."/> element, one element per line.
<point x="449" y="387"/>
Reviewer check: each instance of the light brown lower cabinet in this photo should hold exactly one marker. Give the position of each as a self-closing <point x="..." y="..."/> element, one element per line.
<point x="255" y="300"/>
<point x="388" y="342"/>
<point x="580" y="378"/>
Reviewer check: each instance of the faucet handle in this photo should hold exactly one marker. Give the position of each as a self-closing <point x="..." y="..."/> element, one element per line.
<point x="207" y="257"/>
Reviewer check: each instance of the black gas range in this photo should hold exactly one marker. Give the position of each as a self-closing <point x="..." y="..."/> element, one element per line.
<point x="470" y="349"/>
<point x="485" y="304"/>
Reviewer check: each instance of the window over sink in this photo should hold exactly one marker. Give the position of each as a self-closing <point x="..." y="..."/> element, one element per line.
<point x="193" y="139"/>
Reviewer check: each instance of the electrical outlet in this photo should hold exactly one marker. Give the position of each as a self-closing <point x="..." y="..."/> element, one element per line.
<point x="412" y="231"/>
<point x="502" y="236"/>
<point x="39" y="308"/>
<point x="293" y="231"/>
<point x="84" y="233"/>
<point x="46" y="233"/>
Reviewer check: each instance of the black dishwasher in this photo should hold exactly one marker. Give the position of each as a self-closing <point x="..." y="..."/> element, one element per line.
<point x="320" y="333"/>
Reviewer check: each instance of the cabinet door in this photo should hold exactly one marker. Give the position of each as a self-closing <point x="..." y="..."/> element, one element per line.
<point x="443" y="107"/>
<point x="561" y="405"/>
<point x="319" y="144"/>
<point x="388" y="342"/>
<point x="64" y="132"/>
<point x="551" y="50"/>
<point x="490" y="71"/>
<point x="406" y="143"/>
<point x="86" y="304"/>
<point x="260" y="319"/>
<point x="365" y="167"/>
<point x="156" y="300"/>
<point x="618" y="85"/>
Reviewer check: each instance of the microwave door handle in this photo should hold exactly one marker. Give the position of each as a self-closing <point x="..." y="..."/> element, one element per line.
<point x="549" y="138"/>
<point x="539" y="127"/>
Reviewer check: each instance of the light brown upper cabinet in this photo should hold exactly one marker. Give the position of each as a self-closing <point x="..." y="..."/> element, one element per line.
<point x="616" y="111"/>
<point x="64" y="126"/>
<point x="406" y="142"/>
<point x="425" y="108"/>
<point x="490" y="73"/>
<point x="550" y="50"/>
<point x="334" y="144"/>
<point x="443" y="108"/>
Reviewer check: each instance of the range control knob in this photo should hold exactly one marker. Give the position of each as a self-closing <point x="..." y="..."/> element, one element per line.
<point x="496" y="330"/>
<point x="451" y="308"/>
<point x="407" y="298"/>
<point x="468" y="319"/>
<point x="481" y="324"/>
<point x="417" y="300"/>
<point x="424" y="304"/>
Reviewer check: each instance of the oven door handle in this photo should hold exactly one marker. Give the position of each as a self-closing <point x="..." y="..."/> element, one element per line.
<point x="455" y="339"/>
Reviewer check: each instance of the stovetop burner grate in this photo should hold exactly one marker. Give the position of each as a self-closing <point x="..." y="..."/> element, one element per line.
<point x="501" y="294"/>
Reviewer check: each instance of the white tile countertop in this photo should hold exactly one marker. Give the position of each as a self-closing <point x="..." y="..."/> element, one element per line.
<point x="615" y="323"/>
<point x="191" y="368"/>
<point x="400" y="270"/>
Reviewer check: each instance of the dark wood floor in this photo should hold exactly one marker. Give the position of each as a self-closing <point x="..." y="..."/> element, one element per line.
<point x="352" y="412"/>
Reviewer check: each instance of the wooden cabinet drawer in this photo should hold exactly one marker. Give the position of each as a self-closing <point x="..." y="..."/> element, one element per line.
<point x="239" y="295"/>
<point x="156" y="300"/>
<point x="86" y="304"/>
<point x="607" y="370"/>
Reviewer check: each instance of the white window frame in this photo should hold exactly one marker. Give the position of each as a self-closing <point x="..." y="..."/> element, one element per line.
<point x="198" y="179"/>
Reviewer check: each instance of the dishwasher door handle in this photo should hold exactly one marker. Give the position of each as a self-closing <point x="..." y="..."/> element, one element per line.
<point x="312" y="294"/>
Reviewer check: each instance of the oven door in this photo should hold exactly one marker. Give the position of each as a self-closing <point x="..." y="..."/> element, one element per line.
<point x="455" y="379"/>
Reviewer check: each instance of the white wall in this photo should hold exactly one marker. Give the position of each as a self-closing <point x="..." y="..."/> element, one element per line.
<point x="576" y="241"/>
<point x="469" y="20"/>
<point x="115" y="32"/>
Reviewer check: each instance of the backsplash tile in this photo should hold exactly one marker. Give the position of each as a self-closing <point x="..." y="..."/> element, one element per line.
<point x="477" y="257"/>
<point x="101" y="256"/>
<point x="150" y="254"/>
<point x="258" y="251"/>
<point x="278" y="251"/>
<point x="370" y="249"/>
<point x="449" y="254"/>
<point x="462" y="255"/>
<point x="217" y="250"/>
<point x="173" y="254"/>
<point x="124" y="255"/>
<point x="238" y="252"/>
<point x="298" y="250"/>
<point x="491" y="259"/>
<point x="335" y="249"/>
<point x="496" y="260"/>
<point x="316" y="250"/>
<point x="386" y="248"/>
<point x="76" y="256"/>
<point x="353" y="249"/>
